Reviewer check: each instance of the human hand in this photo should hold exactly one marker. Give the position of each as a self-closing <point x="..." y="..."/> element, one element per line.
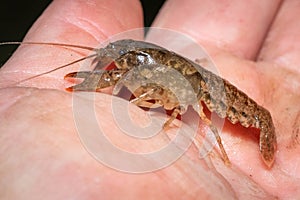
<point x="41" y="154"/>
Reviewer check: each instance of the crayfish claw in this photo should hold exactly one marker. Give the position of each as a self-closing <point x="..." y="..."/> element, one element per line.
<point x="82" y="74"/>
<point x="78" y="87"/>
<point x="88" y="84"/>
<point x="93" y="81"/>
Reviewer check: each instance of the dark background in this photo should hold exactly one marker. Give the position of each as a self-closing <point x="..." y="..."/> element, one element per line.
<point x="16" y="17"/>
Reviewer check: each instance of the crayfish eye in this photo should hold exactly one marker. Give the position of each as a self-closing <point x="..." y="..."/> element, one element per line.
<point x="122" y="51"/>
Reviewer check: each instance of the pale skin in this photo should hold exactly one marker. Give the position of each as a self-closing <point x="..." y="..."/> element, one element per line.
<point x="41" y="154"/>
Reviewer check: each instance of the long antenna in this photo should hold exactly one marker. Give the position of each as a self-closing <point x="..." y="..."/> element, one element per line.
<point x="60" y="67"/>
<point x="51" y="44"/>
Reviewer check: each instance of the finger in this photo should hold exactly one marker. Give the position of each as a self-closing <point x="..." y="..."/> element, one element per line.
<point x="282" y="45"/>
<point x="71" y="22"/>
<point x="237" y="27"/>
<point x="76" y="21"/>
<point x="280" y="63"/>
<point x="281" y="49"/>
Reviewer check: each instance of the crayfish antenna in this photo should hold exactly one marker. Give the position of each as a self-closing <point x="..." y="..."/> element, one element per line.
<point x="53" y="44"/>
<point x="50" y="71"/>
<point x="50" y="44"/>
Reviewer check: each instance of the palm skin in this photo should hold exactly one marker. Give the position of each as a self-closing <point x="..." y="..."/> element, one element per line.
<point x="255" y="47"/>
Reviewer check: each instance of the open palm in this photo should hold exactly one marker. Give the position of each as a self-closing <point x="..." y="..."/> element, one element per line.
<point x="254" y="45"/>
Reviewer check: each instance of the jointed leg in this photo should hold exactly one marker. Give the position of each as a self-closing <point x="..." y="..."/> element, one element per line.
<point x="142" y="101"/>
<point x="217" y="136"/>
<point x="174" y="114"/>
